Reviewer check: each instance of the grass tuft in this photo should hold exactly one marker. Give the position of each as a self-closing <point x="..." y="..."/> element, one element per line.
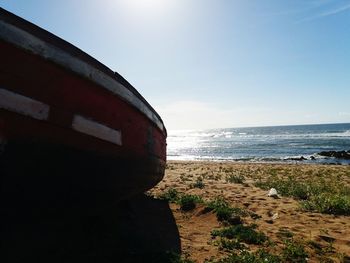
<point x="260" y="256"/>
<point x="227" y="244"/>
<point x="236" y="179"/>
<point x="327" y="203"/>
<point x="224" y="212"/>
<point x="171" y="195"/>
<point x="199" y="183"/>
<point x="242" y="233"/>
<point x="189" y="202"/>
<point x="294" y="252"/>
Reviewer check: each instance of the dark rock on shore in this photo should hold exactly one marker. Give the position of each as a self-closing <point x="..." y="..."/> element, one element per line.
<point x="336" y="154"/>
<point x="301" y="158"/>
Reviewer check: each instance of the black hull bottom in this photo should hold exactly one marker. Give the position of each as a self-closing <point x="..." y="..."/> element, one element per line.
<point x="36" y="176"/>
<point x="64" y="205"/>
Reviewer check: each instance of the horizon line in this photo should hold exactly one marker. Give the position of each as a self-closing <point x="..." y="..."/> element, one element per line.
<point x="262" y="126"/>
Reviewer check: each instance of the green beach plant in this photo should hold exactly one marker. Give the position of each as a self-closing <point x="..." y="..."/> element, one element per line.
<point x="224" y="212"/>
<point x="242" y="233"/>
<point x="260" y="256"/>
<point x="189" y="202"/>
<point x="294" y="252"/>
<point x="227" y="244"/>
<point x="199" y="183"/>
<point x="335" y="204"/>
<point x="170" y="257"/>
<point x="185" y="201"/>
<point x="237" y="179"/>
<point x="171" y="195"/>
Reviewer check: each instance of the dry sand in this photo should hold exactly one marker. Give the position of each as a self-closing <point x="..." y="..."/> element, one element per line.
<point x="195" y="226"/>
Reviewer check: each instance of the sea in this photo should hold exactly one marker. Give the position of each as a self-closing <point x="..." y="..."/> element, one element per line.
<point x="261" y="144"/>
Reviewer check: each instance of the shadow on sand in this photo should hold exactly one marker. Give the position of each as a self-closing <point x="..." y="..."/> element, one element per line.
<point x="57" y="206"/>
<point x="141" y="229"/>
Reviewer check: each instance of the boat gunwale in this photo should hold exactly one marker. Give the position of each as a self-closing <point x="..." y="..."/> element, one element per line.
<point x="27" y="36"/>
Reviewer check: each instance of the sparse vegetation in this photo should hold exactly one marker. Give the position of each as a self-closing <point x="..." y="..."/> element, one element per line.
<point x="224" y="212"/>
<point x="199" y="183"/>
<point x="235" y="178"/>
<point x="227" y="244"/>
<point x="180" y="259"/>
<point x="171" y="195"/>
<point x="186" y="202"/>
<point x="242" y="233"/>
<point x="189" y="202"/>
<point x="260" y="256"/>
<point x="317" y="194"/>
<point x="294" y="252"/>
<point x="324" y="189"/>
<point x="328" y="203"/>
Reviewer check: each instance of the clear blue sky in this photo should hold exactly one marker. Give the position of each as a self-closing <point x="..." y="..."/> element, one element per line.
<point x="216" y="63"/>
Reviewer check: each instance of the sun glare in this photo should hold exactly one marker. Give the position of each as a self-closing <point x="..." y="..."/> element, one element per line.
<point x="146" y="9"/>
<point x="145" y="4"/>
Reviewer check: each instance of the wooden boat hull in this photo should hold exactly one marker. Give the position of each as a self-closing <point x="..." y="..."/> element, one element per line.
<point x="70" y="128"/>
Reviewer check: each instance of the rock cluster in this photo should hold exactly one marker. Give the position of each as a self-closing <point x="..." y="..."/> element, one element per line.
<point x="336" y="154"/>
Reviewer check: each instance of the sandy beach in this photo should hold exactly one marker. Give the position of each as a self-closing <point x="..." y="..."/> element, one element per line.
<point x="287" y="224"/>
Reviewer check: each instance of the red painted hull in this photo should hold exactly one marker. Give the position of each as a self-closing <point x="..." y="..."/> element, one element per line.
<point x="97" y="124"/>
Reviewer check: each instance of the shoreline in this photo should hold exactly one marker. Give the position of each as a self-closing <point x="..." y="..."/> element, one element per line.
<point x="232" y="161"/>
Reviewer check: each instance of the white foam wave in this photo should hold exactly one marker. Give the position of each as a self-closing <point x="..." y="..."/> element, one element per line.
<point x="345" y="134"/>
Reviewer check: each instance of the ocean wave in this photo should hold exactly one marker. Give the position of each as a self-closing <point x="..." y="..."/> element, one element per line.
<point x="345" y="134"/>
<point x="272" y="144"/>
<point x="286" y="159"/>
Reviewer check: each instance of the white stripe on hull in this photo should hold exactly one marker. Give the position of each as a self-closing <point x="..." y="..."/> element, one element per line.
<point x="23" y="105"/>
<point x="39" y="47"/>
<point x="97" y="130"/>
